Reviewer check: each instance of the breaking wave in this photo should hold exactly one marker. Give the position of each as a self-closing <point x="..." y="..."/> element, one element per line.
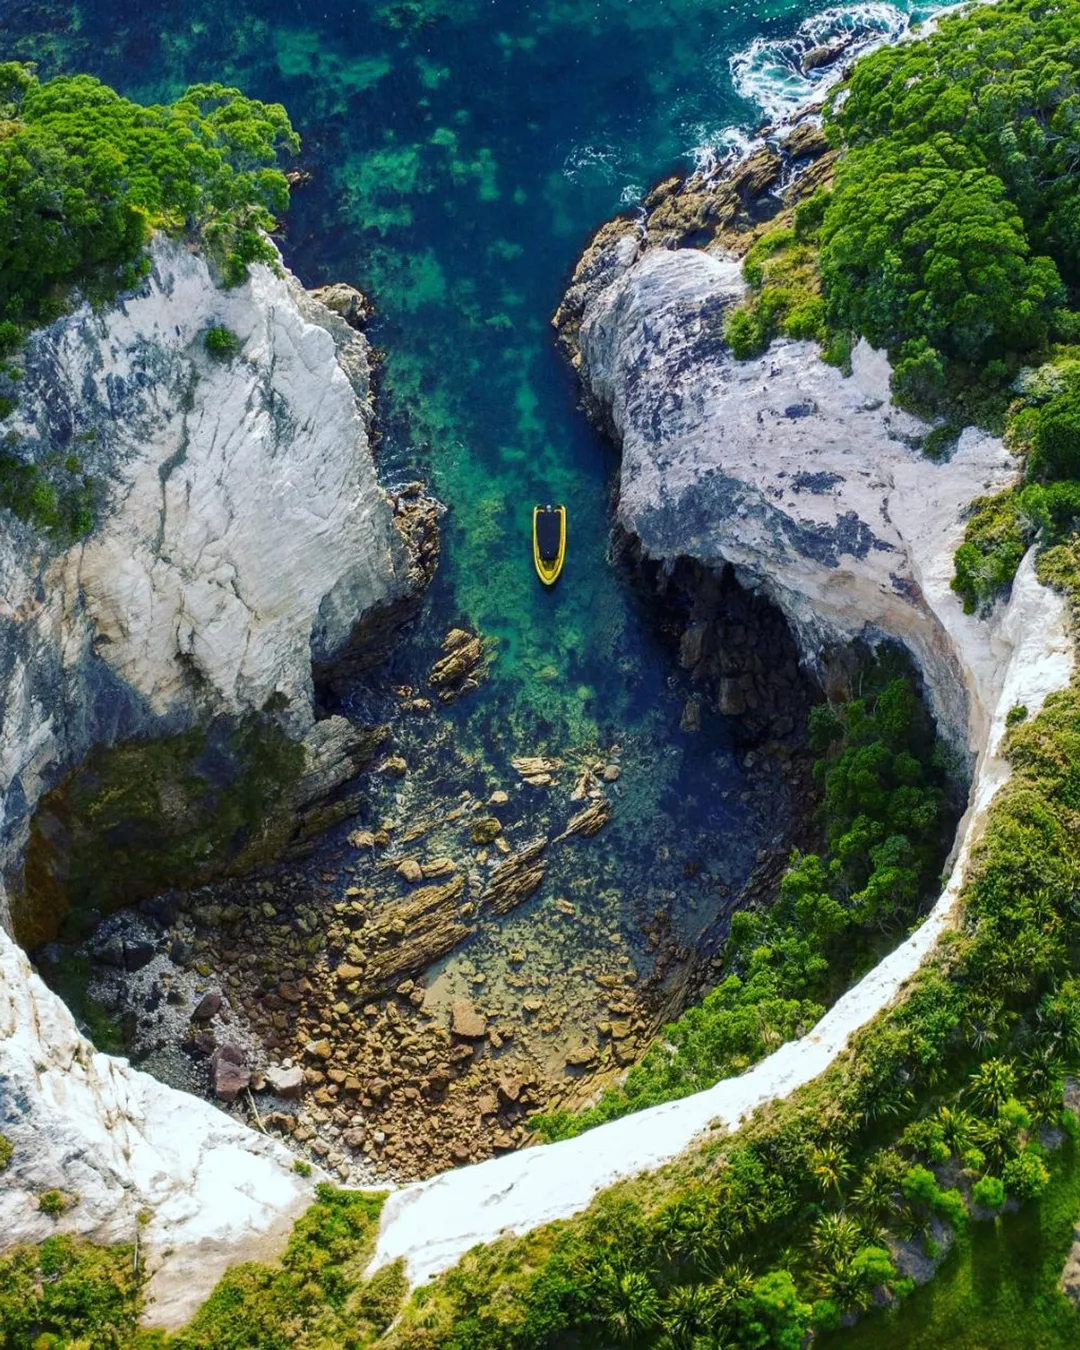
<point x="783" y="74"/>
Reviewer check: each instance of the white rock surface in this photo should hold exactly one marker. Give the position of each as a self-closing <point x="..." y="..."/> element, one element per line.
<point x="810" y="485"/>
<point x="217" y="1193"/>
<point x="243" y="535"/>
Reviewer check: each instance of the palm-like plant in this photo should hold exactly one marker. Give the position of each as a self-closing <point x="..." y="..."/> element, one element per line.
<point x="830" y="1166"/>
<point x="689" y="1312"/>
<point x="991" y="1086"/>
<point x="736" y="1283"/>
<point x="628" y="1303"/>
<point x="957" y="1128"/>
<point x="876" y="1196"/>
<point x="835" y="1238"/>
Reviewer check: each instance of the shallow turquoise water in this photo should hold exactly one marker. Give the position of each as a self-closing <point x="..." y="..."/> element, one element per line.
<point x="462" y="152"/>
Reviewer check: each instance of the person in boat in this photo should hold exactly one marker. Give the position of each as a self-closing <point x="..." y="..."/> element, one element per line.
<point x="549" y="541"/>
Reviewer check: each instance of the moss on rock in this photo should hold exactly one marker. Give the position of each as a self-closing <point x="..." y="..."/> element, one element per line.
<point x="145" y="816"/>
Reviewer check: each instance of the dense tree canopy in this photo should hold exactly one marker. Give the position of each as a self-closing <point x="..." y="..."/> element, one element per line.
<point x="86" y="174"/>
<point x="953" y="234"/>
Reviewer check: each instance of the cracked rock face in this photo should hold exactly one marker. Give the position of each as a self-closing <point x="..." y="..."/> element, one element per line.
<point x="810" y="483"/>
<point x="243" y="535"/>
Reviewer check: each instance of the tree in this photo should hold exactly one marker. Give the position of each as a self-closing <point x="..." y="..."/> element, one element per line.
<point x="85" y="175"/>
<point x="834" y="1238"/>
<point x="772" y="1316"/>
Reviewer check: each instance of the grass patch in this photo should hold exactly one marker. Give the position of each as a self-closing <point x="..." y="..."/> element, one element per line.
<point x="316" y="1298"/>
<point x="68" y="1295"/>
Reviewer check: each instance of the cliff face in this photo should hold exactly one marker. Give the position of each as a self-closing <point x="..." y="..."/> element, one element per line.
<point x="243" y="537"/>
<point x="809" y="483"/>
<point x="242" y="543"/>
<point x="813" y="488"/>
<point x="120" y="1145"/>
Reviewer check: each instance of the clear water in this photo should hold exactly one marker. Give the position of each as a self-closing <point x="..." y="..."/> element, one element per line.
<point x="462" y="152"/>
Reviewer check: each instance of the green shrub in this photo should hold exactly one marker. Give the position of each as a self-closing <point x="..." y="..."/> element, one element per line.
<point x="7" y="1152"/>
<point x="988" y="1193"/>
<point x="997" y="535"/>
<point x="54" y="1203"/>
<point x="1025" y="1177"/>
<point x="1016" y="714"/>
<point x="785" y="293"/>
<point x="952" y="221"/>
<point x="113" y="170"/>
<point x="1056" y="450"/>
<point x="301" y="1168"/>
<point x="315" y="1296"/>
<point x="68" y="1295"/>
<point x="221" y="342"/>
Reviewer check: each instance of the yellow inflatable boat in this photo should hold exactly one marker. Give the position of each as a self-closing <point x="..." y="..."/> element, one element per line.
<point x="549" y="542"/>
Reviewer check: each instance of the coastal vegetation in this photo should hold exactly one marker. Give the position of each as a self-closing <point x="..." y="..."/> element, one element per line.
<point x="945" y="1106"/>
<point x="883" y="814"/>
<point x="85" y="177"/>
<point x="949" y="235"/>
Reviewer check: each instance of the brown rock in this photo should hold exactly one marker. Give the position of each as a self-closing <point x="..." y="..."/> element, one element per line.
<point x="319" y="1049"/>
<point x="581" y="1057"/>
<point x="485" y="830"/>
<point x="207" y="1007"/>
<point x="594" y="817"/>
<point x="515" y="879"/>
<point x="462" y="668"/>
<point x="439" y="867"/>
<point x="466" y="1022"/>
<point x="410" y="870"/>
<point x="229" y="1074"/>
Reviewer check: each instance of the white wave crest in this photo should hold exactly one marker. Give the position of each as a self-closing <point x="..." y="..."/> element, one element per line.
<point x="775" y="73"/>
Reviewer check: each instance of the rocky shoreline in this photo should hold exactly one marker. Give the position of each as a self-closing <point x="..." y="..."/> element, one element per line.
<point x="315" y="1001"/>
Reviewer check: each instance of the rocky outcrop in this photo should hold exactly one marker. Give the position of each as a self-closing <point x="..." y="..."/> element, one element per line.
<point x="243" y="551"/>
<point x="814" y="491"/>
<point x="433" y="1223"/>
<point x="141" y="1162"/>
<point x="242" y="540"/>
<point x="810" y="484"/>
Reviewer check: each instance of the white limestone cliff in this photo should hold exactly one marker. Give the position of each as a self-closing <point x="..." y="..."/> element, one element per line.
<point x="242" y="536"/>
<point x="242" y="539"/>
<point x="811" y="484"/>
